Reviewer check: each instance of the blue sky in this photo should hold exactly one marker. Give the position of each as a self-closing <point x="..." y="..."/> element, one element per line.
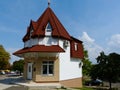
<point x="95" y="22"/>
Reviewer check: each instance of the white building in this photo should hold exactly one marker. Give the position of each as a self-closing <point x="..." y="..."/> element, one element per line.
<point x="50" y="53"/>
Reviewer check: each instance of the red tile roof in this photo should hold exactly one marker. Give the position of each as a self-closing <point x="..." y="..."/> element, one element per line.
<point x="40" y="48"/>
<point x="58" y="31"/>
<point x="39" y="26"/>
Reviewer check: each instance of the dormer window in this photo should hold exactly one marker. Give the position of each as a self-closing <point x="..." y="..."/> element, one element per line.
<point x="31" y="31"/>
<point x="48" y="27"/>
<point x="76" y="46"/>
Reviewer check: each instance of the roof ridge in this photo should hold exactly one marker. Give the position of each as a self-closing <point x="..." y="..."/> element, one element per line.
<point x="55" y="22"/>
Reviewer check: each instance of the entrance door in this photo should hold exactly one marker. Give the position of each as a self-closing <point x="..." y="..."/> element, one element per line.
<point x="29" y="71"/>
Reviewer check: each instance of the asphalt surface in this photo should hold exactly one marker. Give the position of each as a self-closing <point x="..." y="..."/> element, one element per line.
<point x="18" y="83"/>
<point x="9" y="83"/>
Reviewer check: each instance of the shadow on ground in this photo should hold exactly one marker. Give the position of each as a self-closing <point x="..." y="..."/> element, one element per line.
<point x="11" y="80"/>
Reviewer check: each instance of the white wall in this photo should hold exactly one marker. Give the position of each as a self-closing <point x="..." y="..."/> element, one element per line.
<point x="69" y="67"/>
<point x="31" y="42"/>
<point x="26" y="43"/>
<point x="49" y="41"/>
<point x="41" y="41"/>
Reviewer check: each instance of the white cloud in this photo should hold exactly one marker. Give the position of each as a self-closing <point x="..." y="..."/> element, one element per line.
<point x="114" y="43"/>
<point x="90" y="45"/>
<point x="86" y="38"/>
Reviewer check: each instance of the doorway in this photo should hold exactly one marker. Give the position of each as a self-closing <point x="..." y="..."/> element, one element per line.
<point x="29" y="71"/>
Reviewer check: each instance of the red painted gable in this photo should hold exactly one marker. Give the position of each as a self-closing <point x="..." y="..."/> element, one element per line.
<point x="79" y="52"/>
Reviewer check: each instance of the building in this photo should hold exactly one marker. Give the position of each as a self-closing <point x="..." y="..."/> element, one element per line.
<point x="50" y="53"/>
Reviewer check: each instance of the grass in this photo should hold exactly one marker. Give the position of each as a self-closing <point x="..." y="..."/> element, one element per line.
<point x="86" y="88"/>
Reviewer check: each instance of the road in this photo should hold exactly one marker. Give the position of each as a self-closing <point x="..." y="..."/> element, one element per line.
<point x="8" y="83"/>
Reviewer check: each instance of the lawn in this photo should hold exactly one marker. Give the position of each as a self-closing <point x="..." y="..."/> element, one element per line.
<point x="86" y="88"/>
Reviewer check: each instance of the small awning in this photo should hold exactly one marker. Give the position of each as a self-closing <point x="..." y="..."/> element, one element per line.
<point x="40" y="48"/>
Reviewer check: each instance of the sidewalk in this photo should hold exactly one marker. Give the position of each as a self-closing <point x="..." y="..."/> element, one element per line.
<point x="40" y="86"/>
<point x="18" y="83"/>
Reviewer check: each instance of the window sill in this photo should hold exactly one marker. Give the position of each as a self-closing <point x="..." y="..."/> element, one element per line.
<point x="47" y="75"/>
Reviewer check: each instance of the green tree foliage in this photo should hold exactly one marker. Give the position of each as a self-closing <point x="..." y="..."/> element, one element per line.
<point x="4" y="58"/>
<point x="107" y="67"/>
<point x="18" y="65"/>
<point x="87" y="65"/>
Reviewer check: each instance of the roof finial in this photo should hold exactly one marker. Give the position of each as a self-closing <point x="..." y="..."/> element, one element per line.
<point x="48" y="3"/>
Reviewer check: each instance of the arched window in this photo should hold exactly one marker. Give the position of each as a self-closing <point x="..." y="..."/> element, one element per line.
<point x="48" y="28"/>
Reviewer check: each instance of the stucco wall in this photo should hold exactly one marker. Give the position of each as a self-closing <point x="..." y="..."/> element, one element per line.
<point x="69" y="67"/>
<point x="42" y="78"/>
<point x="76" y="82"/>
<point x="65" y="67"/>
<point x="48" y="40"/>
<point x="37" y="65"/>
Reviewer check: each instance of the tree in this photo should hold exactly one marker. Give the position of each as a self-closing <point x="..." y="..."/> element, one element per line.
<point x="108" y="67"/>
<point x="18" y="65"/>
<point x="86" y="64"/>
<point x="4" y="58"/>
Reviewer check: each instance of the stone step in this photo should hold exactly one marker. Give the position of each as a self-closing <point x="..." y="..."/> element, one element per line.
<point x="44" y="86"/>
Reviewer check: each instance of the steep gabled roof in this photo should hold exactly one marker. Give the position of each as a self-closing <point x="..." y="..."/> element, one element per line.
<point x="39" y="26"/>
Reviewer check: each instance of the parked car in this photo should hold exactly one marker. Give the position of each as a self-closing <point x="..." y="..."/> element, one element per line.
<point x="2" y="72"/>
<point x="96" y="82"/>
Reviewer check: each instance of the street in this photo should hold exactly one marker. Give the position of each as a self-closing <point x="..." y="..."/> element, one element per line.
<point x="9" y="83"/>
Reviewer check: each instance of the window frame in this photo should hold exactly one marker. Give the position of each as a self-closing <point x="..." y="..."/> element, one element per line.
<point x="47" y="64"/>
<point x="48" y="29"/>
<point x="31" y="32"/>
<point x="76" y="46"/>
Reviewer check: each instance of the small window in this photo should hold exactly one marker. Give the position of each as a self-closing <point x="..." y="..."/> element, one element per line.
<point x="48" y="68"/>
<point x="48" y="27"/>
<point x="29" y="69"/>
<point x="31" y="31"/>
<point x="76" y="46"/>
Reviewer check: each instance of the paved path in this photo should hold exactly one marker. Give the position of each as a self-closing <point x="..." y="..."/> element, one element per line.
<point x="18" y="83"/>
<point x="11" y="87"/>
<point x="8" y="83"/>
